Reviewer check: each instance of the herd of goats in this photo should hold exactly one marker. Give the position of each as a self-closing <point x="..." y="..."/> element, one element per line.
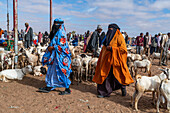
<point x="83" y="67"/>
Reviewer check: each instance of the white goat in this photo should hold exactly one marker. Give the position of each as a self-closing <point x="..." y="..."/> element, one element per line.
<point x="37" y="71"/>
<point x="143" y="64"/>
<point x="15" y="73"/>
<point x="147" y="84"/>
<point x="32" y="59"/>
<point x="92" y="66"/>
<point x="76" y="66"/>
<point x="164" y="94"/>
<point x="85" y="64"/>
<point x="134" y="57"/>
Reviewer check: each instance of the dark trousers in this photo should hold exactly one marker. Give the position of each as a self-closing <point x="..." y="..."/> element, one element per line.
<point x="164" y="56"/>
<point x="27" y="43"/>
<point x="153" y="49"/>
<point x="109" y="85"/>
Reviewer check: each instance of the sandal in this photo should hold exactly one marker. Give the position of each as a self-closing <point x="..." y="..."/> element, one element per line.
<point x="101" y="96"/>
<point x="45" y="89"/>
<point x="64" y="93"/>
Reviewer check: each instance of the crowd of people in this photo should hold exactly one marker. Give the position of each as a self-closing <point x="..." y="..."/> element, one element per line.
<point x="158" y="43"/>
<point x="111" y="72"/>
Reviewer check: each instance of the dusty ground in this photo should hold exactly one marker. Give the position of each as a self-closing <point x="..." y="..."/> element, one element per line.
<point x="21" y="97"/>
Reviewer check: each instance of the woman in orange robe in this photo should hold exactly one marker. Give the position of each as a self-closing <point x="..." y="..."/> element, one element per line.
<point x="112" y="72"/>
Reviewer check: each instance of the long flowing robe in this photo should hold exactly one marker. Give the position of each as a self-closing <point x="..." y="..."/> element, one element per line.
<point x="58" y="61"/>
<point x="116" y="59"/>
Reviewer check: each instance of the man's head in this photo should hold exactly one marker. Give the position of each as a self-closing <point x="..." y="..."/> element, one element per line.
<point x="0" y="29"/>
<point x="26" y="25"/>
<point x="88" y="31"/>
<point x="169" y="34"/>
<point x="141" y="34"/>
<point x="99" y="28"/>
<point x="147" y="33"/>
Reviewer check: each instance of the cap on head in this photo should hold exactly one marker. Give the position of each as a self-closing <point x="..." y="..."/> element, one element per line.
<point x="99" y="27"/>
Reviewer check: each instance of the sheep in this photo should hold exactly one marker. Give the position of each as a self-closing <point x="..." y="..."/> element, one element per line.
<point x="143" y="64"/>
<point x="15" y="73"/>
<point x="134" y="57"/>
<point x="22" y="60"/>
<point x="32" y="59"/>
<point x="12" y="57"/>
<point x="148" y="84"/>
<point x="2" y="56"/>
<point x="92" y="66"/>
<point x="85" y="62"/>
<point x="130" y="65"/>
<point x="9" y="60"/>
<point x="164" y="94"/>
<point x="40" y="57"/>
<point x="75" y="51"/>
<point x="37" y="71"/>
<point x="155" y="56"/>
<point x="76" y="65"/>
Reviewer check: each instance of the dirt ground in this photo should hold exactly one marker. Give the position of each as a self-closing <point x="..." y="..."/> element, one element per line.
<point x="21" y="97"/>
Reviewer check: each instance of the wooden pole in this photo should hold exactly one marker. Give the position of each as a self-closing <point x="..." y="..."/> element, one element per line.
<point x="50" y="15"/>
<point x="15" y="20"/>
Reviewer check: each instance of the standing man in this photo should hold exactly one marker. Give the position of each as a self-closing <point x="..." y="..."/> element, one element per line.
<point x="28" y="35"/>
<point x="146" y="43"/>
<point x="112" y="72"/>
<point x="93" y="43"/>
<point x="159" y="42"/>
<point x="139" y="42"/>
<point x="39" y="37"/>
<point x="154" y="44"/>
<point x="165" y="46"/>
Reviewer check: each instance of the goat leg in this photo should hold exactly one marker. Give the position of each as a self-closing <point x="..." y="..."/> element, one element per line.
<point x="158" y="102"/>
<point x="139" y="94"/>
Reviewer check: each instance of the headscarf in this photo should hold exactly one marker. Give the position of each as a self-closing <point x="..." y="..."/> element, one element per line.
<point x="55" y="27"/>
<point x="61" y="53"/>
<point x="110" y="33"/>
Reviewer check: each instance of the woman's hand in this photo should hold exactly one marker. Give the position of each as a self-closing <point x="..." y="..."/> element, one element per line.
<point x="109" y="48"/>
<point x="50" y="48"/>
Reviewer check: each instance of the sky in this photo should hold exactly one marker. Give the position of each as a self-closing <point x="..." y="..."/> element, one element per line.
<point x="132" y="16"/>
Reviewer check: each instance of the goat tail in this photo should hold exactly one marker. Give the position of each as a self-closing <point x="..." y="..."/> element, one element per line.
<point x="138" y="76"/>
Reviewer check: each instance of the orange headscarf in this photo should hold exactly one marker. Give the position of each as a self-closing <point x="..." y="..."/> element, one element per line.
<point x="116" y="59"/>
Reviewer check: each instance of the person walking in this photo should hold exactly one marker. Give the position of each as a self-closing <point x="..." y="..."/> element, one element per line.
<point x="112" y="72"/>
<point x="165" y="46"/>
<point x="58" y="60"/>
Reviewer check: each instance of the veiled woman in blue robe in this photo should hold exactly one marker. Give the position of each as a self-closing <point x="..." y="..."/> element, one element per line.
<point x="58" y="60"/>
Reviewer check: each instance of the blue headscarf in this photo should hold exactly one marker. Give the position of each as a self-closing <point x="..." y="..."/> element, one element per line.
<point x="61" y="53"/>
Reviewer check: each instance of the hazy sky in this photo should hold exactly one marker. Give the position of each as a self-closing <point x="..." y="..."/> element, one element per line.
<point x="132" y="16"/>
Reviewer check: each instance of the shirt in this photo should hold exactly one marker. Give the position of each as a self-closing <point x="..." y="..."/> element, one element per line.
<point x="139" y="41"/>
<point x="159" y="39"/>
